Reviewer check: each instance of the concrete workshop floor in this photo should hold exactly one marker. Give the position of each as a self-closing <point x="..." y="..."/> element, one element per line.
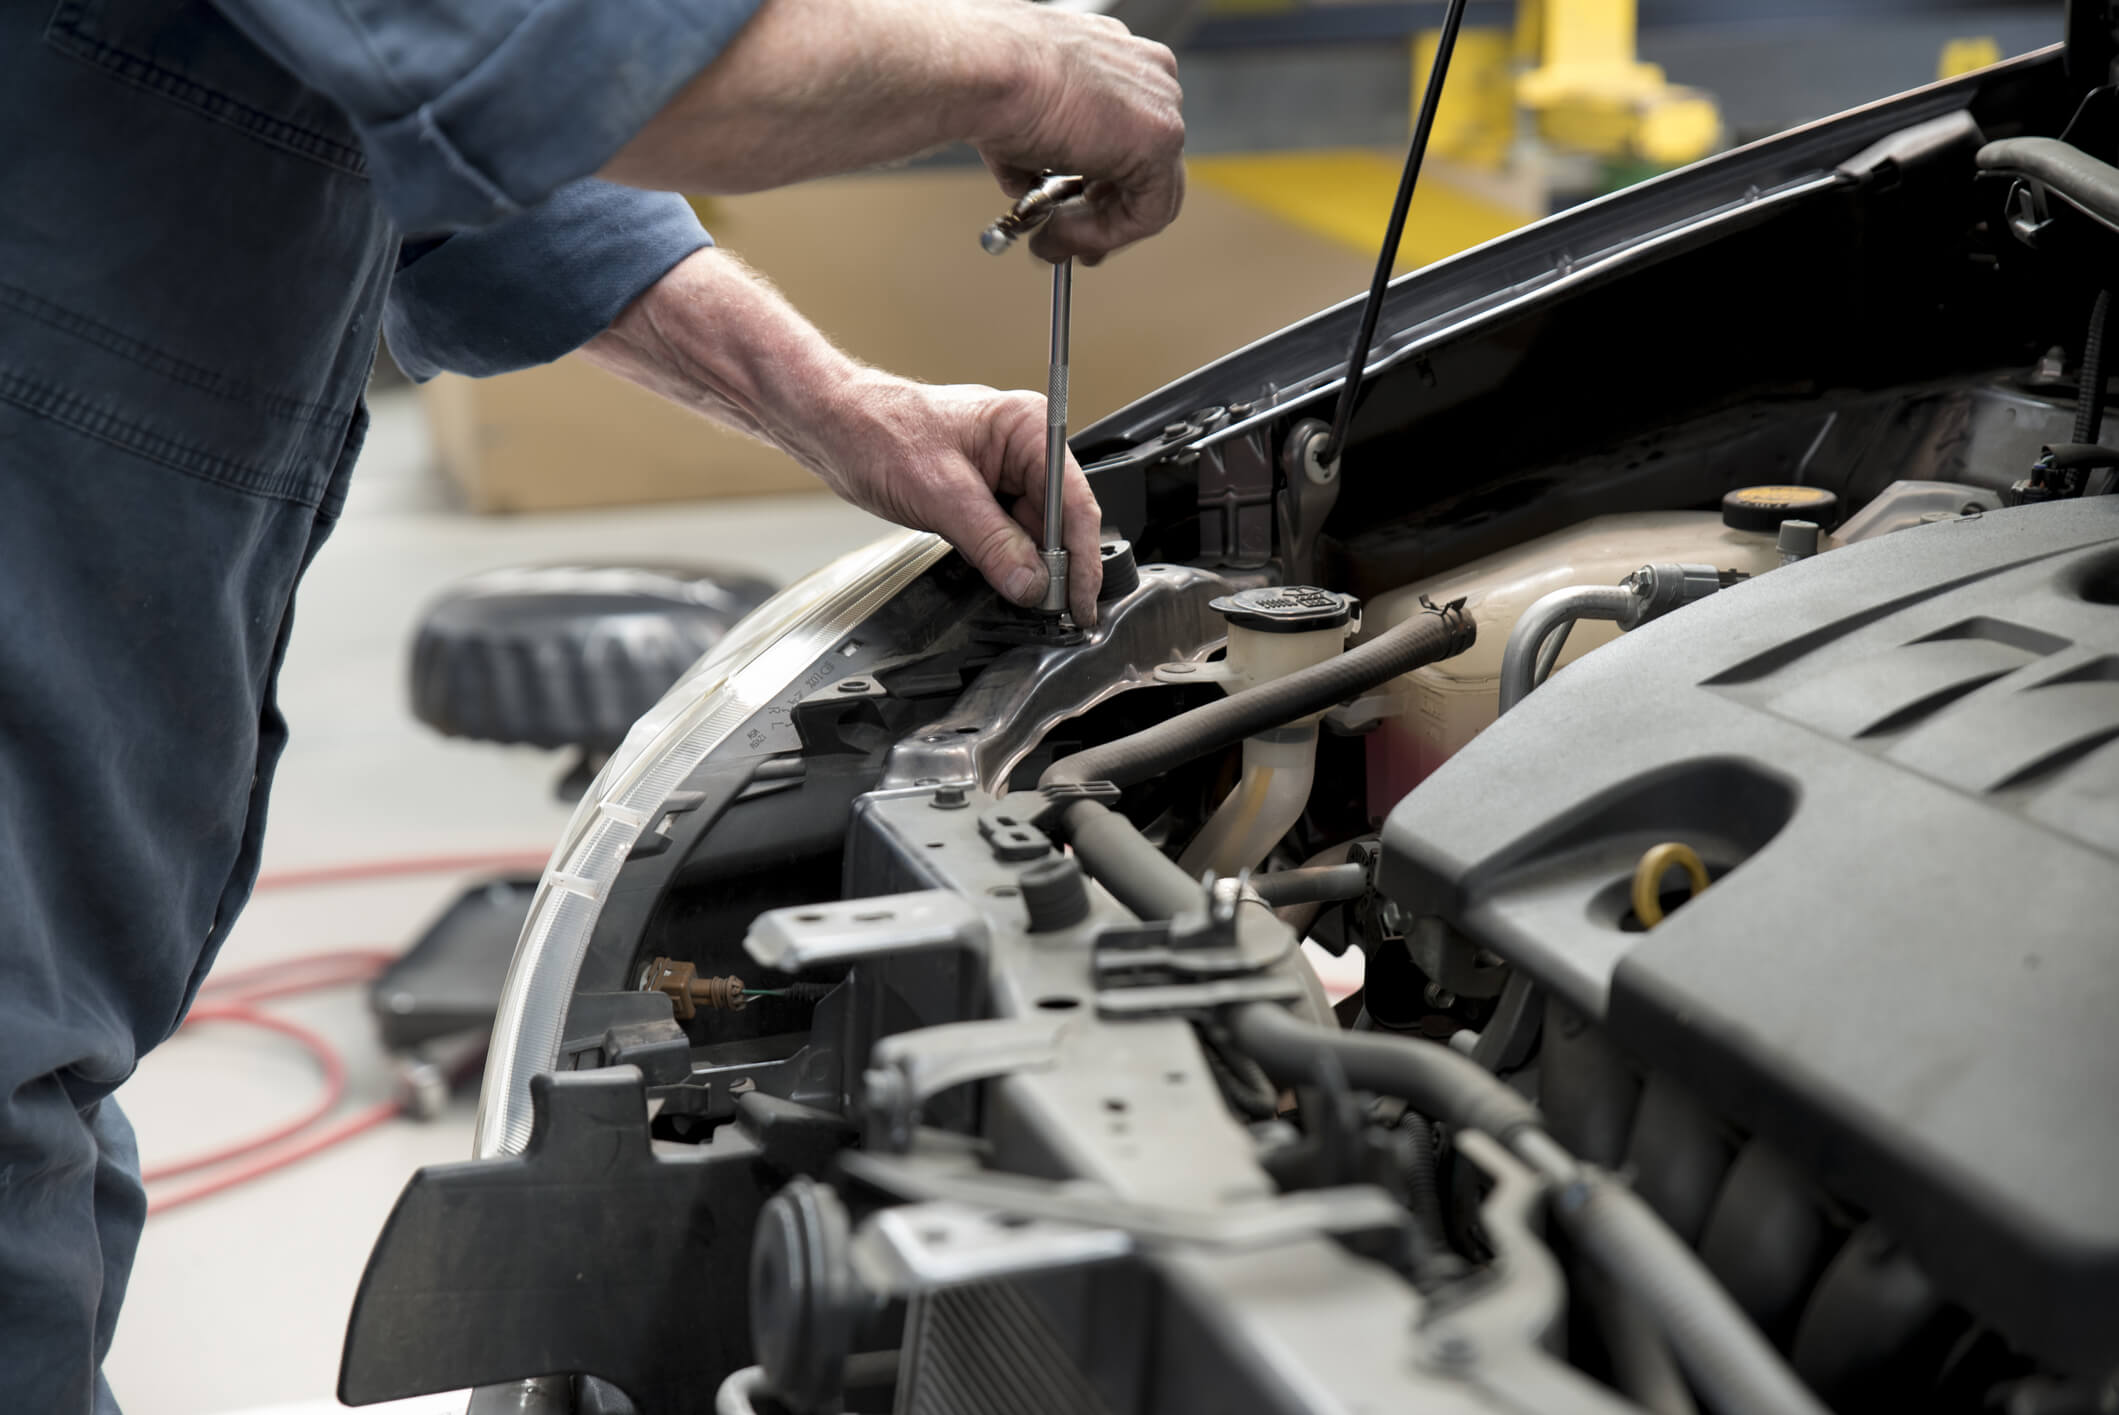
<point x="239" y="1302"/>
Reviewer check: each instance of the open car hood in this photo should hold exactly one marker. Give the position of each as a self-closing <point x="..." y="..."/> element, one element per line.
<point x="1301" y="368"/>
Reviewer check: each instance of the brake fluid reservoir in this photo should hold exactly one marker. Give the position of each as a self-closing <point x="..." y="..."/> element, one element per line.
<point x="1446" y="704"/>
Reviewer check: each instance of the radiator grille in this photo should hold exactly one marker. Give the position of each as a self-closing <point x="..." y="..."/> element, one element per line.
<point x="989" y="1349"/>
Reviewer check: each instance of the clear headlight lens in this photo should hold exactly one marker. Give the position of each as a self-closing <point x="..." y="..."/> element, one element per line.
<point x="765" y="652"/>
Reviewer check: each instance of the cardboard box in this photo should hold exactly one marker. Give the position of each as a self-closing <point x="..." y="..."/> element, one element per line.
<point x="889" y="265"/>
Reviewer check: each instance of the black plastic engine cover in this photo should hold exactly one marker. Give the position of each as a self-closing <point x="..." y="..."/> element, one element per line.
<point x="1901" y="759"/>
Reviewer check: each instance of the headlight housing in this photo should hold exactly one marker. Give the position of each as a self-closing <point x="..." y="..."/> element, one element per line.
<point x="765" y="652"/>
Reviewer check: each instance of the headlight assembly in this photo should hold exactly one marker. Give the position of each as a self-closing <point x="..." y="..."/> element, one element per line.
<point x="764" y="653"/>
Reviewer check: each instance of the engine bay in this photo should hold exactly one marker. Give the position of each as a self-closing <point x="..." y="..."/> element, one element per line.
<point x="1710" y="799"/>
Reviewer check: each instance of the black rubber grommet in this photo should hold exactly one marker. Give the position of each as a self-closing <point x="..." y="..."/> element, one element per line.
<point x="1055" y="895"/>
<point x="1121" y="573"/>
<point x="804" y="1298"/>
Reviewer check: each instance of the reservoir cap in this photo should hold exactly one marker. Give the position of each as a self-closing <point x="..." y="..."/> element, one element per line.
<point x="1286" y="609"/>
<point x="1763" y="508"/>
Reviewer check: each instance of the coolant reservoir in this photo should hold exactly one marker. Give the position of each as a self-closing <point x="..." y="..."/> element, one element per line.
<point x="1446" y="704"/>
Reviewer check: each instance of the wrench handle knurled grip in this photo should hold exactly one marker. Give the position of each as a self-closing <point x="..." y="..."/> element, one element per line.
<point x="1055" y="549"/>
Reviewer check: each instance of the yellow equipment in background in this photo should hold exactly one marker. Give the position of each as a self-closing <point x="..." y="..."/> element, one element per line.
<point x="1591" y="94"/>
<point x="1557" y="108"/>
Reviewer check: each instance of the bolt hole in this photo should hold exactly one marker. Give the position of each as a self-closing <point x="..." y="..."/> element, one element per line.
<point x="809" y="918"/>
<point x="1057" y="1003"/>
<point x="873" y="916"/>
<point x="967" y="731"/>
<point x="934" y="844"/>
<point x="1115" y="1105"/>
<point x="1010" y="1221"/>
<point x="1004" y="891"/>
<point x="1004" y="820"/>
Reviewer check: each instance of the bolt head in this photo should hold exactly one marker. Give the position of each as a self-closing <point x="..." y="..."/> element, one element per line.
<point x="1455" y="1350"/>
<point x="1318" y="471"/>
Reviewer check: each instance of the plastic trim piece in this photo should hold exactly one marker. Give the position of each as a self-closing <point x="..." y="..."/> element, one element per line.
<point x="760" y="658"/>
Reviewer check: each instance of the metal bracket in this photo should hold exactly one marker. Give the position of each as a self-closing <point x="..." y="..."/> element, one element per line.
<point x="1200" y="959"/>
<point x="908" y="1069"/>
<point x="1242" y="1224"/>
<point x="1195" y="997"/>
<point x="1309" y="490"/>
<point x="854" y="930"/>
<point x="848" y="716"/>
<point x="924" y="1247"/>
<point x="1147" y="954"/>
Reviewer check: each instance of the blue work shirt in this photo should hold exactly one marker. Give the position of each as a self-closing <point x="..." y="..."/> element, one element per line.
<point x="203" y="220"/>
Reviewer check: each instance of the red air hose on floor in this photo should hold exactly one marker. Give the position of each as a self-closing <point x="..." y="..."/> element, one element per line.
<point x="234" y="998"/>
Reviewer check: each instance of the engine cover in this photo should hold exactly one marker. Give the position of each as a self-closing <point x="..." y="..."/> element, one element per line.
<point x="1901" y="760"/>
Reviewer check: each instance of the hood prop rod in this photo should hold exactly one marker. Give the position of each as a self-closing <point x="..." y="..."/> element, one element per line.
<point x="1357" y="361"/>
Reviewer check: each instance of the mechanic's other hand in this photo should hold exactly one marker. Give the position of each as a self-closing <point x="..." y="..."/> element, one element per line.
<point x="1100" y="101"/>
<point x="940" y="458"/>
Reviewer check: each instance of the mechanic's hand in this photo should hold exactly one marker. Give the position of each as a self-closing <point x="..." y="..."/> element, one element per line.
<point x="812" y="87"/>
<point x="712" y="336"/>
<point x="939" y="458"/>
<point x="1104" y="103"/>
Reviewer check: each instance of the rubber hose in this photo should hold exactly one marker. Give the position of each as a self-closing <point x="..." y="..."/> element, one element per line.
<point x="1242" y="1083"/>
<point x="1302" y="917"/>
<point x="1519" y="661"/>
<point x="1114" y="853"/>
<point x="1729" y="1361"/>
<point x="1439" y="1083"/>
<point x="2078" y="178"/>
<point x="1423" y="1191"/>
<point x="1312" y="884"/>
<point x="1642" y="1365"/>
<point x="2089" y="383"/>
<point x="738" y="1393"/>
<point x="1723" y="1353"/>
<point x="1423" y="639"/>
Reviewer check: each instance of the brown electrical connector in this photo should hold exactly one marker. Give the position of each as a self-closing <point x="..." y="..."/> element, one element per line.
<point x="689" y="991"/>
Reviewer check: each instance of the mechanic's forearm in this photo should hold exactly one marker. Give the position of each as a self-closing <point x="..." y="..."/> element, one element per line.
<point x="813" y="87"/>
<point x="714" y="336"/>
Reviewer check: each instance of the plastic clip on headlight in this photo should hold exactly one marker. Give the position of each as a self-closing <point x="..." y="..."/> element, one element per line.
<point x="765" y="652"/>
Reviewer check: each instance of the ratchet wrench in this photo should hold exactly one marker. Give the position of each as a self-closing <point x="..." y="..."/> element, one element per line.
<point x="1030" y="212"/>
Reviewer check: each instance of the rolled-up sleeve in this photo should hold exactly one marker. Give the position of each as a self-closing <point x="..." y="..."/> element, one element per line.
<point x="472" y="111"/>
<point x="533" y="287"/>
